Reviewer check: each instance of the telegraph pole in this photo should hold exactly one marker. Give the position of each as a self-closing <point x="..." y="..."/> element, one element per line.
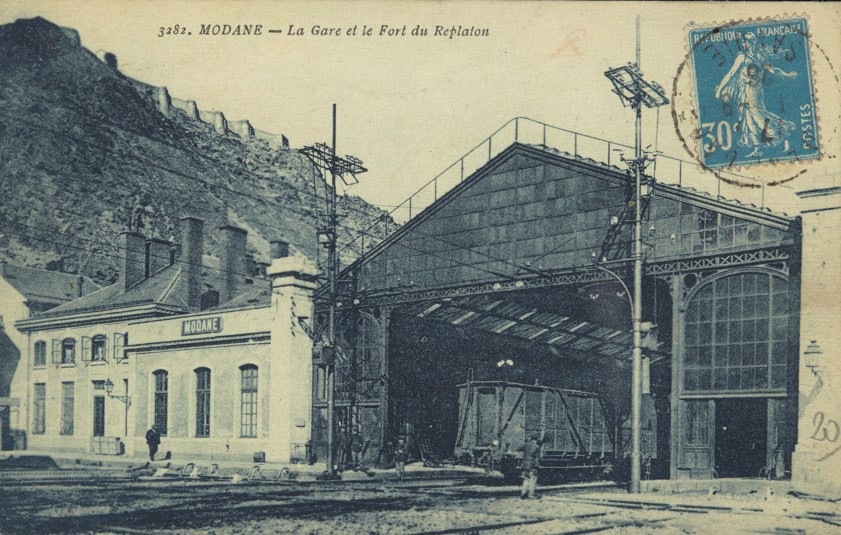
<point x="324" y="157"/>
<point x="635" y="92"/>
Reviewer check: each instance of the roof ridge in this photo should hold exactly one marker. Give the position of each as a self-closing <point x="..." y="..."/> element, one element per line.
<point x="170" y="286"/>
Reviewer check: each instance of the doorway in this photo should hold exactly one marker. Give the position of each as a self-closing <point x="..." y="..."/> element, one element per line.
<point x="99" y="416"/>
<point x="741" y="437"/>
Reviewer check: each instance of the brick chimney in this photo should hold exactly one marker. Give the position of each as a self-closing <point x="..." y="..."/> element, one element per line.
<point x="157" y="255"/>
<point x="80" y="282"/>
<point x="192" y="237"/>
<point x="250" y="265"/>
<point x="134" y="258"/>
<point x="232" y="261"/>
<point x="174" y="253"/>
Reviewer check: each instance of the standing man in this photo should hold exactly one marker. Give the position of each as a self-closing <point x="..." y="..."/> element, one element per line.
<point x="356" y="447"/>
<point x="490" y="458"/>
<point x="153" y="438"/>
<point x="531" y="457"/>
<point x="400" y="457"/>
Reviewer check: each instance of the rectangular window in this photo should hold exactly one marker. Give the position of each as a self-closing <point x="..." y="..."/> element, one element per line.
<point x="161" y="401"/>
<point x="320" y="383"/>
<point x="697" y="422"/>
<point x="39" y="407"/>
<point x="248" y="402"/>
<point x="67" y="407"/>
<point x="203" y="402"/>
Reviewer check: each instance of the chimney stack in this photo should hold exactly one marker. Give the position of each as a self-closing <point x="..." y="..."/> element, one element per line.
<point x="174" y="253"/>
<point x="134" y="256"/>
<point x="157" y="255"/>
<point x="279" y="249"/>
<point x="191" y="245"/>
<point x="232" y="261"/>
<point x="250" y="265"/>
<point x="80" y="281"/>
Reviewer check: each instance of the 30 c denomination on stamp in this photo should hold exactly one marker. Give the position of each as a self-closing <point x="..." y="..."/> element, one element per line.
<point x="753" y="93"/>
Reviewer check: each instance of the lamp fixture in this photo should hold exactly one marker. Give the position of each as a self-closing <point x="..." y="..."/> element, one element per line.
<point x="109" y="389"/>
<point x="812" y="356"/>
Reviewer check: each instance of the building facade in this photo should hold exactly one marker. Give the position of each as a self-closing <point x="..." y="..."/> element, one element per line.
<point x="25" y="292"/>
<point x="214" y="358"/>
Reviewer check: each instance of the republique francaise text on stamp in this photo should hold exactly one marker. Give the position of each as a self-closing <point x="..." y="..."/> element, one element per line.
<point x="754" y="93"/>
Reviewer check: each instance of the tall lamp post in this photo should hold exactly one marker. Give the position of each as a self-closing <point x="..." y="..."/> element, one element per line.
<point x="635" y="92"/>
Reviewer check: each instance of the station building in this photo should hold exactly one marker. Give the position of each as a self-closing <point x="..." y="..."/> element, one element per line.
<point x="520" y="273"/>
<point x="214" y="358"/>
<point x="25" y="292"/>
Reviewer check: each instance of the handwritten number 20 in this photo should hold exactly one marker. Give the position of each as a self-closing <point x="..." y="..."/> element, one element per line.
<point x="717" y="136"/>
<point x="822" y="432"/>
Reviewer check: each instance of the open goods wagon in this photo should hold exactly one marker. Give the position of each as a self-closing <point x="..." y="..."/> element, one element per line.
<point x="573" y="427"/>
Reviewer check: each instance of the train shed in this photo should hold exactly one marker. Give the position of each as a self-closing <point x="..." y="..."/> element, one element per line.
<point x="520" y="272"/>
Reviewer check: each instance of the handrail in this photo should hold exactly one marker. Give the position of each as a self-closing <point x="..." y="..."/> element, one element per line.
<point x="674" y="173"/>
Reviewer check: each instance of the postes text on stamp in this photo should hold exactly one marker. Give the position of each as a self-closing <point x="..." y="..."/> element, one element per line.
<point x="754" y="93"/>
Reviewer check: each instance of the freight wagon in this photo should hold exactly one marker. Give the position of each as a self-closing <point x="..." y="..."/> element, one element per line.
<point x="575" y="429"/>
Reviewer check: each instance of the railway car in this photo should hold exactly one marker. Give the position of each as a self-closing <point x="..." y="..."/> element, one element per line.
<point x="575" y="429"/>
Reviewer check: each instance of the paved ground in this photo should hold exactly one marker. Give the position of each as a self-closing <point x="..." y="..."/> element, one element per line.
<point x="108" y="500"/>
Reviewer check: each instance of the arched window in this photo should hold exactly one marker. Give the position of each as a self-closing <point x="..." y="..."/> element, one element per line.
<point x="68" y="351"/>
<point x="737" y="335"/>
<point x="248" y="401"/>
<point x="161" y="400"/>
<point x="40" y="357"/>
<point x="202" y="402"/>
<point x="99" y="347"/>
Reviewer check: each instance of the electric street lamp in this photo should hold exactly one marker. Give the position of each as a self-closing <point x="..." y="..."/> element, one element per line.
<point x="109" y="389"/>
<point x="634" y="91"/>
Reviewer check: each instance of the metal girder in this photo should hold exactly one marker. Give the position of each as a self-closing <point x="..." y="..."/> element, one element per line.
<point x="744" y="258"/>
<point x="560" y="279"/>
<point x="578" y="275"/>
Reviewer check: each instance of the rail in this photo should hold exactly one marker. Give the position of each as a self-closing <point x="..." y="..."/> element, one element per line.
<point x="665" y="170"/>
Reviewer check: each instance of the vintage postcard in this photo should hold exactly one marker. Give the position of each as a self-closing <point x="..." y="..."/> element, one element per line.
<point x="419" y="267"/>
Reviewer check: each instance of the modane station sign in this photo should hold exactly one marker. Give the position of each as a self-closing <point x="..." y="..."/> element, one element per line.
<point x="201" y="326"/>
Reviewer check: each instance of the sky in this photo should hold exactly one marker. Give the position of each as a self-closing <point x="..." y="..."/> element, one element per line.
<point x="410" y="106"/>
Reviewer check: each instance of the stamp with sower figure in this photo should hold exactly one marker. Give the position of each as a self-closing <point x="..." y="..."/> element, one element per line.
<point x="754" y="93"/>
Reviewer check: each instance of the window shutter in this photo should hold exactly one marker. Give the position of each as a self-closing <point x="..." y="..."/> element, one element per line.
<point x="87" y="349"/>
<point x="104" y="348"/>
<point x="56" y="351"/>
<point x="119" y="347"/>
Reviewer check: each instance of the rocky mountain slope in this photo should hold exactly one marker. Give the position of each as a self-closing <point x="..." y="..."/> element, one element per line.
<point x="83" y="149"/>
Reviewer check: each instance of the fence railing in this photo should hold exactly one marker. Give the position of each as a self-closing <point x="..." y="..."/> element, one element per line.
<point x="665" y="169"/>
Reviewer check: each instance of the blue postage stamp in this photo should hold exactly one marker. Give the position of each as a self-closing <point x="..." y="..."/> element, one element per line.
<point x="753" y="93"/>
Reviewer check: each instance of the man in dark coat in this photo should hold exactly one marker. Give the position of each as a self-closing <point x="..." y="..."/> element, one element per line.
<point x="531" y="457"/>
<point x="356" y="447"/>
<point x="400" y="458"/>
<point x="153" y="439"/>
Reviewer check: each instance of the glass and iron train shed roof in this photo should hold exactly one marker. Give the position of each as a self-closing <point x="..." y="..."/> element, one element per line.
<point x="496" y="316"/>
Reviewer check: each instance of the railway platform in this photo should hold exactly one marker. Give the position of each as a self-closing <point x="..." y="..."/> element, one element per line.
<point x="28" y="460"/>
